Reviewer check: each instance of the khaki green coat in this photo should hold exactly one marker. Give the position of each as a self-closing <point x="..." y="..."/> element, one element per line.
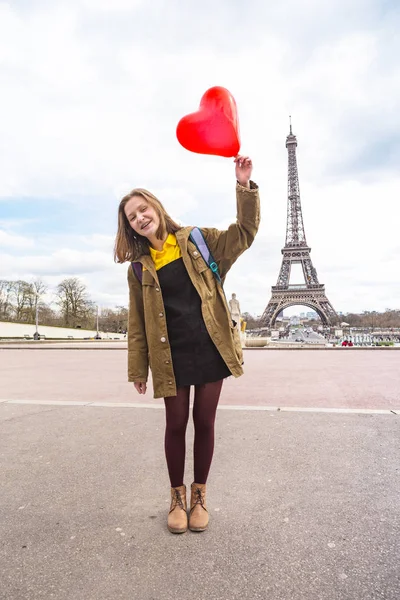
<point x="148" y="344"/>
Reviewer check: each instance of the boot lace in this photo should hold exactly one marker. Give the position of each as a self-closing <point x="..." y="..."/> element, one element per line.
<point x="176" y="501"/>
<point x="198" y="498"/>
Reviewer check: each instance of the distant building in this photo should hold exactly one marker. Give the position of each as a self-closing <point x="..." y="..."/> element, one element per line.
<point x="312" y="315"/>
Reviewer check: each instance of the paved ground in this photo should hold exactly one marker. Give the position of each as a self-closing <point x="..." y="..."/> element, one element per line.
<point x="303" y="505"/>
<point x="344" y="378"/>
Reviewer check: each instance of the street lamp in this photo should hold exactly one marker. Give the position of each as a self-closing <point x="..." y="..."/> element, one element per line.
<point x="36" y="335"/>
<point x="97" y="337"/>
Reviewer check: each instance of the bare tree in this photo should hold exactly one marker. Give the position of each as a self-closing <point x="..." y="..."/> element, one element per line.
<point x="390" y="318"/>
<point x="35" y="290"/>
<point x="6" y="307"/>
<point x="114" y="320"/>
<point x="122" y="319"/>
<point x="252" y="322"/>
<point x="20" y="294"/>
<point x="75" y="306"/>
<point x="48" y="316"/>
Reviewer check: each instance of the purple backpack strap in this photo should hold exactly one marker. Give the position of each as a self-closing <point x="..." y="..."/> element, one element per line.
<point x="197" y="238"/>
<point x="138" y="270"/>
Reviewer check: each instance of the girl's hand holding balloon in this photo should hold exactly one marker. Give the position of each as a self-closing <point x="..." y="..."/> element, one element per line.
<point x="243" y="170"/>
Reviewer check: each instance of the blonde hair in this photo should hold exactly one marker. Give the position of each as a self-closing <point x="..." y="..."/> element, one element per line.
<point x="129" y="245"/>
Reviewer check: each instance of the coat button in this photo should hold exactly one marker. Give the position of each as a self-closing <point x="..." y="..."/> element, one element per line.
<point x="167" y="362"/>
<point x="170" y="382"/>
<point x="157" y="289"/>
<point x="195" y="253"/>
<point x="161" y="315"/>
<point x="163" y="339"/>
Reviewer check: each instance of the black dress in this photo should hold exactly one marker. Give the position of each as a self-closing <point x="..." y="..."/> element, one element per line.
<point x="195" y="357"/>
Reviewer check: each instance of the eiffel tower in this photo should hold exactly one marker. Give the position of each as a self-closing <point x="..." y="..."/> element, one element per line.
<point x="296" y="251"/>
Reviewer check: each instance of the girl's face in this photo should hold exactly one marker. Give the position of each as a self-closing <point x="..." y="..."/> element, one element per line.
<point x="142" y="217"/>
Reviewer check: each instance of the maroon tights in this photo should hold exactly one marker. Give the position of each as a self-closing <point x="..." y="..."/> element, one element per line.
<point x="177" y="415"/>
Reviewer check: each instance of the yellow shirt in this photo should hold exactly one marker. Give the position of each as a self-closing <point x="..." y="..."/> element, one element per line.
<point x="170" y="252"/>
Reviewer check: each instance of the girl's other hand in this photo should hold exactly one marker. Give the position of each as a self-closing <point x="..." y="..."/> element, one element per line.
<point x="140" y="387"/>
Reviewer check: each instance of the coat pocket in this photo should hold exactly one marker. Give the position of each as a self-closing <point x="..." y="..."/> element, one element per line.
<point x="198" y="262"/>
<point x="201" y="268"/>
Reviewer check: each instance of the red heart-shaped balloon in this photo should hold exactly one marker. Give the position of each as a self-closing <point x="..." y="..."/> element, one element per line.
<point x="214" y="128"/>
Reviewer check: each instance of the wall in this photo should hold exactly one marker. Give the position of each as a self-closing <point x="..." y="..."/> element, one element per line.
<point x="19" y="330"/>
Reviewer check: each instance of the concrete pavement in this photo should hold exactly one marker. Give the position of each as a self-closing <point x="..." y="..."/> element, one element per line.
<point x="303" y="506"/>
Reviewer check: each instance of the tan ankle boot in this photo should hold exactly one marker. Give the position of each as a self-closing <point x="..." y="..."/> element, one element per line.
<point x="177" y="517"/>
<point x="198" y="519"/>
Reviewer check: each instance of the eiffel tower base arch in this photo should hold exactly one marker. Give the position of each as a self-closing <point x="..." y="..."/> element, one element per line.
<point x="312" y="296"/>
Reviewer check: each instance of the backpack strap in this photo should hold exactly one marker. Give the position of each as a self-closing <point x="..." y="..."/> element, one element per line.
<point x="138" y="270"/>
<point x="198" y="240"/>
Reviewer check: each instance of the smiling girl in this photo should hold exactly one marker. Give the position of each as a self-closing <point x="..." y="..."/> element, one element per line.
<point x="180" y="326"/>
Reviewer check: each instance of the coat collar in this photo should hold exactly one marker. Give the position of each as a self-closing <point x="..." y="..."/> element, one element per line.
<point x="182" y="236"/>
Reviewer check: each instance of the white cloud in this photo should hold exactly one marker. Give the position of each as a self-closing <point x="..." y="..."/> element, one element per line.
<point x="112" y="5"/>
<point x="65" y="261"/>
<point x="10" y="240"/>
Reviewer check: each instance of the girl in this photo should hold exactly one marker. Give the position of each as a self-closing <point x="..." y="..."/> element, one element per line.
<point x="180" y="326"/>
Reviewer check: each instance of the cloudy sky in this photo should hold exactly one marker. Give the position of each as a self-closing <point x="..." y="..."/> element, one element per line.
<point x="92" y="91"/>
